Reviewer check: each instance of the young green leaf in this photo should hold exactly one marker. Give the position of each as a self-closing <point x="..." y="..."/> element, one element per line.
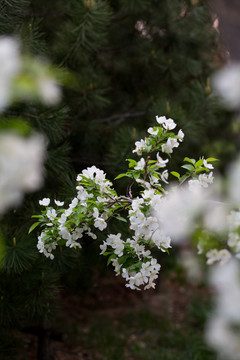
<point x="120" y="176"/>
<point x="33" y="226"/>
<point x="176" y="174"/>
<point x="192" y="161"/>
<point x="120" y="218"/>
<point x="188" y="167"/>
<point x="199" y="163"/>
<point x="211" y="159"/>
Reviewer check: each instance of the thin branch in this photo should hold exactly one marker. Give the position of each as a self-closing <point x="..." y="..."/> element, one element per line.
<point x="120" y="117"/>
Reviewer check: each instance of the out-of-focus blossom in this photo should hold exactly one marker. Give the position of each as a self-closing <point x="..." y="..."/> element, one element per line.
<point x="21" y="167"/>
<point x="233" y="185"/>
<point x="176" y="212"/>
<point x="222" y="330"/>
<point x="192" y="266"/>
<point x="226" y="83"/>
<point x="10" y="64"/>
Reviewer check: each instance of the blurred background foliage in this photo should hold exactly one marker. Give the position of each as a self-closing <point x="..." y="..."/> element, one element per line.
<point x="126" y="61"/>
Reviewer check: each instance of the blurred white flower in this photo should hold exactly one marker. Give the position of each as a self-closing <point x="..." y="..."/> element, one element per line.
<point x="49" y="90"/>
<point x="176" y="212"/>
<point x="212" y="256"/>
<point x="222" y="330"/>
<point x="233" y="185"/>
<point x="226" y="83"/>
<point x="215" y="215"/>
<point x="192" y="266"/>
<point x="21" y="167"/>
<point x="10" y="64"/>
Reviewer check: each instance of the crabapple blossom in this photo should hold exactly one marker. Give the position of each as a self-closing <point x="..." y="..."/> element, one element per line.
<point x="150" y="212"/>
<point x="140" y="164"/>
<point x="151" y="131"/>
<point x="140" y="147"/>
<point x="44" y="202"/>
<point x="59" y="203"/>
<point x="170" y="145"/>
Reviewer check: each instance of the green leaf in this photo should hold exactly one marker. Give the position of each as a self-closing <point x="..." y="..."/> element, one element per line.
<point x="136" y="175"/>
<point x="107" y="253"/>
<point x="176" y="174"/>
<point x="120" y="176"/>
<point x="132" y="163"/>
<point x="183" y="178"/>
<point x="199" y="163"/>
<point x="165" y="249"/>
<point x="201" y="170"/>
<point x="122" y="259"/>
<point x="211" y="159"/>
<point x="188" y="167"/>
<point x="33" y="226"/>
<point x="61" y="242"/>
<point x="192" y="161"/>
<point x="137" y="266"/>
<point x="36" y="216"/>
<point x="120" y="218"/>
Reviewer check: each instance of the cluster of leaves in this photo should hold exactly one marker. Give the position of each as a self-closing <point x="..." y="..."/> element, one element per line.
<point x="193" y="168"/>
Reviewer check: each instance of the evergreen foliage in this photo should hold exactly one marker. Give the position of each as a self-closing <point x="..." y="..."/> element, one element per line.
<point x="127" y="61"/>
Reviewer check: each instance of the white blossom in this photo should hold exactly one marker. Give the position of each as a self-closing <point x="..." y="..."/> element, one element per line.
<point x="100" y="223"/>
<point x="21" y="167"/>
<point x="164" y="176"/>
<point x="180" y="135"/>
<point x="160" y="162"/>
<point x="206" y="179"/>
<point x="140" y="164"/>
<point x="151" y="131"/>
<point x="51" y="214"/>
<point x="170" y="145"/>
<point x="168" y="124"/>
<point x="207" y="165"/>
<point x="44" y="202"/>
<point x="59" y="203"/>
<point x="212" y="256"/>
<point x="139" y="147"/>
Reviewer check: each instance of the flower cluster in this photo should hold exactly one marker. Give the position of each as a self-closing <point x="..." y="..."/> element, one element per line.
<point x="96" y="203"/>
<point x="86" y="212"/>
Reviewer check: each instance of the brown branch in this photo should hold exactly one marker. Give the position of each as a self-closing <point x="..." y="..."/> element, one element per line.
<point x="120" y="117"/>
